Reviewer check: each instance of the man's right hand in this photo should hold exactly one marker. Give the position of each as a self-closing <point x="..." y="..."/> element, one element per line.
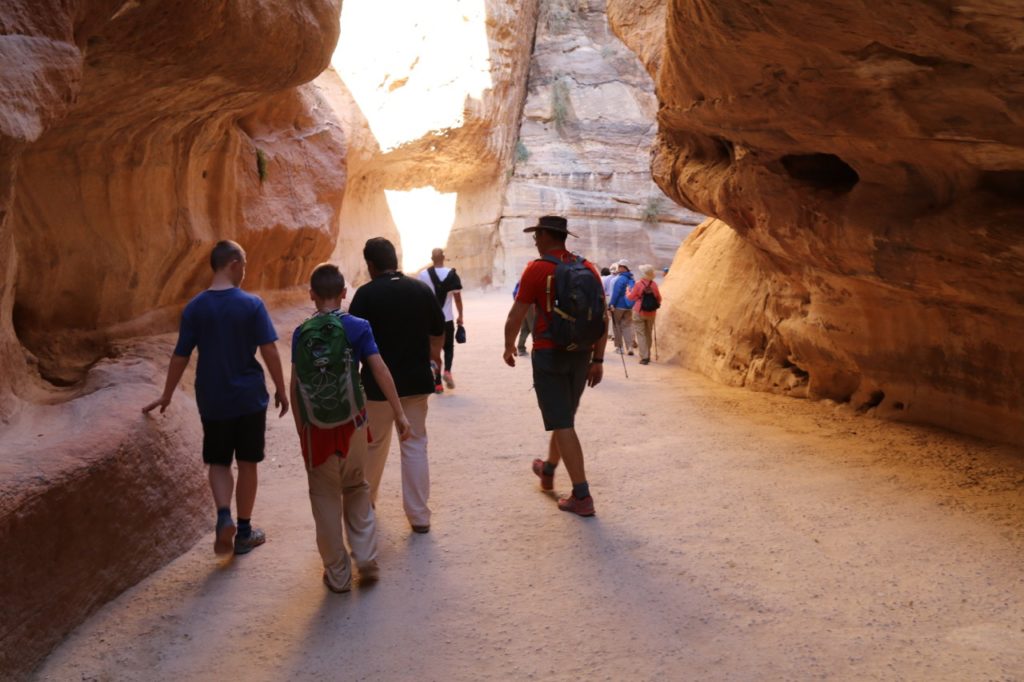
<point x="403" y="427"/>
<point x="510" y="356"/>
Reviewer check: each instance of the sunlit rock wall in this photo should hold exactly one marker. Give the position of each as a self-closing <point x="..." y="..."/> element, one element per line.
<point x="584" y="148"/>
<point x="867" y="165"/>
<point x="430" y="115"/>
<point x="133" y="135"/>
<point x="159" y="156"/>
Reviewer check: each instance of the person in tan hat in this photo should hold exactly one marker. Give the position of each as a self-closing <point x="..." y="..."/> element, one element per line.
<point x="622" y="309"/>
<point x="564" y="363"/>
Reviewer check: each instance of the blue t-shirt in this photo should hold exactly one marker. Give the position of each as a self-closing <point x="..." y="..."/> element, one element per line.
<point x="228" y="326"/>
<point x="358" y="332"/>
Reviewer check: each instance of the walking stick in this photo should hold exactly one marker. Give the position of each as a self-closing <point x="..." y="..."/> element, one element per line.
<point x="654" y="330"/>
<point x="618" y="334"/>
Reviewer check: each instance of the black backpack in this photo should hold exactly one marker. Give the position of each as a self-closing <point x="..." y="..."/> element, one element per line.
<point x="441" y="289"/>
<point x="574" y="302"/>
<point x="649" y="302"/>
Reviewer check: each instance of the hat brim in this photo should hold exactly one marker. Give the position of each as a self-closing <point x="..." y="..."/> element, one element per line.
<point x="549" y="229"/>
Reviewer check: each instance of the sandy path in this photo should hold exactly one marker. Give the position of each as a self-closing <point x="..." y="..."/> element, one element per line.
<point x="739" y="536"/>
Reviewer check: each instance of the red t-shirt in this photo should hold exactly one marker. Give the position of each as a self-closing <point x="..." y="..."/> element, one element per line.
<point x="533" y="288"/>
<point x="327" y="442"/>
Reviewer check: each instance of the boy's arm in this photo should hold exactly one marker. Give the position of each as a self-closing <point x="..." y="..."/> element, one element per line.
<point x="382" y="375"/>
<point x="293" y="394"/>
<point x="273" y="360"/>
<point x="174" y="372"/>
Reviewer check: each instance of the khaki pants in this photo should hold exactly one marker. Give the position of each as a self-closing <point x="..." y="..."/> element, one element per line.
<point x="644" y="334"/>
<point x="340" y="497"/>
<point x="622" y="318"/>
<point x="415" y="468"/>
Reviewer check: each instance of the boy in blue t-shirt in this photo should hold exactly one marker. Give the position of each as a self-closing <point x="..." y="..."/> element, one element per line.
<point x="228" y="325"/>
<point x="335" y="458"/>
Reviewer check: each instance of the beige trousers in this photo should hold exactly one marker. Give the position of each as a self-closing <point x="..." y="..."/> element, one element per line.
<point x="622" y="318"/>
<point x="340" y="497"/>
<point x="644" y="334"/>
<point x="415" y="468"/>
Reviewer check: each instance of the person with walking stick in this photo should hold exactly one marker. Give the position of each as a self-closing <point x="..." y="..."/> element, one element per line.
<point x="646" y="300"/>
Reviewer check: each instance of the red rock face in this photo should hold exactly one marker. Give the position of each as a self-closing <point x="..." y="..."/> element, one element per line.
<point x="133" y="136"/>
<point x="187" y="129"/>
<point x="870" y="159"/>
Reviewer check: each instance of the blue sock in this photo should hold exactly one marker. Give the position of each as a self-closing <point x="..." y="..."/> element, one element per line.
<point x="223" y="516"/>
<point x="244" y="528"/>
<point x="549" y="469"/>
<point x="580" y="490"/>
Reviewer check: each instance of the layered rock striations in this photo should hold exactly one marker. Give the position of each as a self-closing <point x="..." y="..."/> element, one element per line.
<point x="866" y="163"/>
<point x="584" y="148"/>
<point x="431" y="113"/>
<point x="133" y="135"/>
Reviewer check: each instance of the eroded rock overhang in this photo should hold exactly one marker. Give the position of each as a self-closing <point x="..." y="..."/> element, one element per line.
<point x="866" y="165"/>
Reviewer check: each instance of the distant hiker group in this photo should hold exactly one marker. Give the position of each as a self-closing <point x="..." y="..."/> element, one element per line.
<point x="633" y="307"/>
<point x="357" y="375"/>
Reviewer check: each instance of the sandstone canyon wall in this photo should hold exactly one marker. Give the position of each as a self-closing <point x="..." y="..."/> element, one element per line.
<point x="133" y="135"/>
<point x="430" y="113"/>
<point x="866" y="165"/>
<point x="583" y="151"/>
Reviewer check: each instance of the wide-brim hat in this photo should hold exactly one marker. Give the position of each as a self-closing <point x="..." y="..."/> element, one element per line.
<point x="555" y="223"/>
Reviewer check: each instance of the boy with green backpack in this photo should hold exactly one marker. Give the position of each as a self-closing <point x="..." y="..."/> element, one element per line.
<point x="330" y="418"/>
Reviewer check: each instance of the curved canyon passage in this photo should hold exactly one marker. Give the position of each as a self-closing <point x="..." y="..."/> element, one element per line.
<point x="739" y="536"/>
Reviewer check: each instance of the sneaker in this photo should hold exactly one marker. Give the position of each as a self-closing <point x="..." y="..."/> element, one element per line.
<point x="438" y="386"/>
<point x="369" y="573"/>
<point x="522" y="353"/>
<point x="448" y="381"/>
<point x="225" y="534"/>
<point x="337" y="590"/>
<point x="619" y="351"/>
<point x="546" y="482"/>
<point x="629" y="353"/>
<point x="584" y="507"/>
<point x="645" y="361"/>
<point x="421" y="529"/>
<point x="246" y="545"/>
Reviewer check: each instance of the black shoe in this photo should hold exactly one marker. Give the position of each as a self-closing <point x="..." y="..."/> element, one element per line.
<point x="246" y="545"/>
<point x="645" y="361"/>
<point x="421" y="529"/>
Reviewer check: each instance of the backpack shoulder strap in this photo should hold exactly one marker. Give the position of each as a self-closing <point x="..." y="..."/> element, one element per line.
<point x="432" y="271"/>
<point x="550" y="259"/>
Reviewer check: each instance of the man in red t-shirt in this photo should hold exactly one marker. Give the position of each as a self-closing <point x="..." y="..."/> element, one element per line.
<point x="559" y="375"/>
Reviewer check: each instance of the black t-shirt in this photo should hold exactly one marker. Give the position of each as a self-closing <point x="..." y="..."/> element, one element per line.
<point x="404" y="314"/>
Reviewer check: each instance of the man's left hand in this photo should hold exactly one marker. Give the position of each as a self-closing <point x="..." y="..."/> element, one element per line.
<point x="594" y="374"/>
<point x="510" y="357"/>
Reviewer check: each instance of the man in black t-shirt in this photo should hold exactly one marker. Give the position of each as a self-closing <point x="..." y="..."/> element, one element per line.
<point x="408" y="325"/>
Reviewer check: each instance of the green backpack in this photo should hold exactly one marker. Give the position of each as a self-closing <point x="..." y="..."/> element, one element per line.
<point x="329" y="390"/>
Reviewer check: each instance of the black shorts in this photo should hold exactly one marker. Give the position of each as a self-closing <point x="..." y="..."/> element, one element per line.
<point x="240" y="437"/>
<point x="559" y="377"/>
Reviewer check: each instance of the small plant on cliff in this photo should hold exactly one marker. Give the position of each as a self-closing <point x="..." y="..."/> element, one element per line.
<point x="652" y="209"/>
<point x="559" y="15"/>
<point x="261" y="164"/>
<point x="560" y="102"/>
<point x="522" y="153"/>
